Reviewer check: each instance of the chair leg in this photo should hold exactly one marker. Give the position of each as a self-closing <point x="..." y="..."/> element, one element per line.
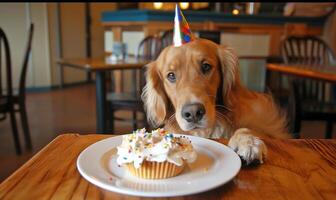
<point x="111" y="121"/>
<point x="134" y="120"/>
<point x="15" y="132"/>
<point x="294" y="109"/>
<point x="329" y="129"/>
<point x="297" y="128"/>
<point x="25" y="126"/>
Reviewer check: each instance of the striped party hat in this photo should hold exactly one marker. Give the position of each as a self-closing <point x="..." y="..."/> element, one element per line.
<point x="182" y="33"/>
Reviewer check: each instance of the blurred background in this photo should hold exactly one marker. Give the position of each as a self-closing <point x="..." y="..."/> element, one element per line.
<point x="65" y="57"/>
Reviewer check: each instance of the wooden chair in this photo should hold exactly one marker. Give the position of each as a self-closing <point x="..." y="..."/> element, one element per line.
<point x="8" y="100"/>
<point x="307" y="99"/>
<point x="20" y="98"/>
<point x="167" y="38"/>
<point x="210" y="35"/>
<point x="149" y="48"/>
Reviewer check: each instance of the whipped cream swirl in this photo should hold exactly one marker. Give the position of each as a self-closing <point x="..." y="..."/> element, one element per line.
<point x="158" y="146"/>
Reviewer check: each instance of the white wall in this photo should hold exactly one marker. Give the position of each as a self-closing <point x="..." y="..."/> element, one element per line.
<point x="131" y="38"/>
<point x="43" y="71"/>
<point x="16" y="30"/>
<point x="41" y="75"/>
<point x="15" y="19"/>
<point x="247" y="44"/>
<point x="252" y="71"/>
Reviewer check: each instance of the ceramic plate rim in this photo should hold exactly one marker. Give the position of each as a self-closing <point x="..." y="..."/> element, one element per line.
<point x="112" y="188"/>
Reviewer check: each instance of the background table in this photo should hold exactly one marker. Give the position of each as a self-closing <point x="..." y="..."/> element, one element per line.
<point x="295" y="169"/>
<point x="100" y="66"/>
<point x="326" y="73"/>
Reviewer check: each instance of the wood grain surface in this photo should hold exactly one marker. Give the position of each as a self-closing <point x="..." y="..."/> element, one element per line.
<point x="327" y="73"/>
<point x="103" y="63"/>
<point x="295" y="169"/>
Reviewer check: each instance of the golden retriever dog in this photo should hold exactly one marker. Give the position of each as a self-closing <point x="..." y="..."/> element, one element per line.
<point x="195" y="89"/>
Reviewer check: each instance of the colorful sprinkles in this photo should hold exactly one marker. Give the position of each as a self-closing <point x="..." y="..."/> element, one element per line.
<point x="140" y="141"/>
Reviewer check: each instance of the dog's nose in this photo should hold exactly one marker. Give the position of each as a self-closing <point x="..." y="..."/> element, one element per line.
<point x="193" y="112"/>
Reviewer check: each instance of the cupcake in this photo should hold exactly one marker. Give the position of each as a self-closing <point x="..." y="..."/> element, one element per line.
<point x="155" y="155"/>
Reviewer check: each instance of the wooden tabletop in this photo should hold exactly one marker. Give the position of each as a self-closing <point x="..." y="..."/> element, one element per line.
<point x="295" y="169"/>
<point x="325" y="73"/>
<point x="107" y="64"/>
<point x="103" y="63"/>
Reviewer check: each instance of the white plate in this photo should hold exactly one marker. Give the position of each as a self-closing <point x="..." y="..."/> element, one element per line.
<point x="216" y="165"/>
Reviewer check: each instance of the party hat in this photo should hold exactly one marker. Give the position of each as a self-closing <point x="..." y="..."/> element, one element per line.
<point x="182" y="33"/>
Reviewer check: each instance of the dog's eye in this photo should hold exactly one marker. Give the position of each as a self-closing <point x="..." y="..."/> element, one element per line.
<point x="171" y="77"/>
<point x="205" y="67"/>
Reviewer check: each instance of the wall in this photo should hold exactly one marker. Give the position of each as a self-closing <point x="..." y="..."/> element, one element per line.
<point x="15" y="19"/>
<point x="43" y="71"/>
<point x="329" y="31"/>
<point x="56" y="32"/>
<point x="40" y="48"/>
<point x="247" y="44"/>
<point x="97" y="30"/>
<point x="72" y="20"/>
<point x="54" y="41"/>
<point x="72" y="38"/>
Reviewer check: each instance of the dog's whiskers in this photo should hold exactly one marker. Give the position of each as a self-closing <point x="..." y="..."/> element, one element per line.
<point x="224" y="107"/>
<point x="170" y="121"/>
<point x="223" y="117"/>
<point x="171" y="117"/>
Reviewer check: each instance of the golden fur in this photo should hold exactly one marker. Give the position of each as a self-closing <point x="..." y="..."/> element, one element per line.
<point x="242" y="108"/>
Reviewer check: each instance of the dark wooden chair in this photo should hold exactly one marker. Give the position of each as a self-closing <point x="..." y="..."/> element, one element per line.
<point x="149" y="48"/>
<point x="9" y="100"/>
<point x="167" y="38"/>
<point x="210" y="35"/>
<point x="6" y="92"/>
<point x="307" y="99"/>
<point x="20" y="98"/>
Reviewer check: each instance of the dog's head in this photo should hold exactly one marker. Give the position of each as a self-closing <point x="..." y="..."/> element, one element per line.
<point x="191" y="80"/>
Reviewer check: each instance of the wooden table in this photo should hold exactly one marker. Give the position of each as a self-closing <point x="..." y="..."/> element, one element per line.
<point x="327" y="73"/>
<point x="295" y="169"/>
<point x="100" y="66"/>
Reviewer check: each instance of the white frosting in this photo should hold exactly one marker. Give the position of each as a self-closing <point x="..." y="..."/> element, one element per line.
<point x="158" y="146"/>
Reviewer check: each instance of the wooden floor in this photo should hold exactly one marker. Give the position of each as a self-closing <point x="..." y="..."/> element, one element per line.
<point x="71" y="110"/>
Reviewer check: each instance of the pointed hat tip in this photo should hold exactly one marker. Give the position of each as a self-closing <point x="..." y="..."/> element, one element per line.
<point x="182" y="33"/>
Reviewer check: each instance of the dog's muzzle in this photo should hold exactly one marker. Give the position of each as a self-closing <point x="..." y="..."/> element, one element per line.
<point x="193" y="113"/>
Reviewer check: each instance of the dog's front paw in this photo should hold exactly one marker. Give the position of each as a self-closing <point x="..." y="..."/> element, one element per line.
<point x="247" y="146"/>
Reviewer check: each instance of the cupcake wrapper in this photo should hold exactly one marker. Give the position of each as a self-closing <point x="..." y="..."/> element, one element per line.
<point x="155" y="170"/>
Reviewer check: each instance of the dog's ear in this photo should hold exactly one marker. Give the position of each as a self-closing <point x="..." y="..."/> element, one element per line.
<point x="154" y="96"/>
<point x="228" y="62"/>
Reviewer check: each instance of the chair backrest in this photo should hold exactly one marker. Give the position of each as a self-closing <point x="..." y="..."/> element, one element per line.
<point x="149" y="48"/>
<point x="167" y="38"/>
<point x="22" y="84"/>
<point x="307" y="50"/>
<point x="5" y="53"/>
<point x="210" y="35"/>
